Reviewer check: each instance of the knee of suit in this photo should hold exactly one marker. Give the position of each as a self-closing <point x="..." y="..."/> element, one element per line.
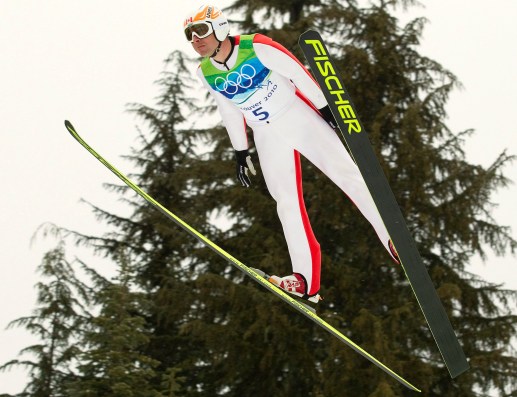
<point x="286" y="204"/>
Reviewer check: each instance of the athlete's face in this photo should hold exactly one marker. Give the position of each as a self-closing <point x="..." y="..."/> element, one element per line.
<point x="205" y="47"/>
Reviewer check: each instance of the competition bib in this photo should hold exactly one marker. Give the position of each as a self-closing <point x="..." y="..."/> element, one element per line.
<point x="257" y="91"/>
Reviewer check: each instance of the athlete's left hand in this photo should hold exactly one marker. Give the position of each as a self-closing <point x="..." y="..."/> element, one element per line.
<point x="327" y="115"/>
<point x="243" y="165"/>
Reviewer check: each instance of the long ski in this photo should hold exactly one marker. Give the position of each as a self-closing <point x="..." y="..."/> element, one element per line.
<point x="356" y="138"/>
<point x="256" y="275"/>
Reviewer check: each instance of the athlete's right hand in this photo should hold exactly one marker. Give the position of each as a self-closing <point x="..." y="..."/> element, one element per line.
<point x="244" y="165"/>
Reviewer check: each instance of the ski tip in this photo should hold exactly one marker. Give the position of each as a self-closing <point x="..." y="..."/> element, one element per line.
<point x="69" y="126"/>
<point x="308" y="34"/>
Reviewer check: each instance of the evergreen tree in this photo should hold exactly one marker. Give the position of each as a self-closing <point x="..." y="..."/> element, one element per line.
<point x="112" y="362"/>
<point x="57" y="321"/>
<point x="167" y="265"/>
<point x="172" y="383"/>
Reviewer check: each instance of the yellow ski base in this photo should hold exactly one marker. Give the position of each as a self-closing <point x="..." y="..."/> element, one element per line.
<point x="306" y="311"/>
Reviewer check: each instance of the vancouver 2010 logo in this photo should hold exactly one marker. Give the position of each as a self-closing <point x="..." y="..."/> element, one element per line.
<point x="236" y="80"/>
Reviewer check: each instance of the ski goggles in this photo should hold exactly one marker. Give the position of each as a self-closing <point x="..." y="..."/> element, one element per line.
<point x="200" y="29"/>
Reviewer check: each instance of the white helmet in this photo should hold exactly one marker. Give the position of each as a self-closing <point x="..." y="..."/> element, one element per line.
<point x="204" y="21"/>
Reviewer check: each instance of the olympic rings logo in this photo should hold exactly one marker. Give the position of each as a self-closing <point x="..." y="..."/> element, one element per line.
<point x="236" y="80"/>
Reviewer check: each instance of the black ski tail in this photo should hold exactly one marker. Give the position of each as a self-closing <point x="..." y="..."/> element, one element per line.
<point x="341" y="105"/>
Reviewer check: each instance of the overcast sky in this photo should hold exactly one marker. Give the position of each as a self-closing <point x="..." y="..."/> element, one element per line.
<point x="85" y="60"/>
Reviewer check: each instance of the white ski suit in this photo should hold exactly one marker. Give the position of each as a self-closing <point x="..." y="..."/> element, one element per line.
<point x="264" y="86"/>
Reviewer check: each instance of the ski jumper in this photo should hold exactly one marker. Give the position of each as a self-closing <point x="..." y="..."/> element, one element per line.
<point x="264" y="86"/>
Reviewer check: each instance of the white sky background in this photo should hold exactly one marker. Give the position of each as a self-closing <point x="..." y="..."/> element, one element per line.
<point x="85" y="60"/>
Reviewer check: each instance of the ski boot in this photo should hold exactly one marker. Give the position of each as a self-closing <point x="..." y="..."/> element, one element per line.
<point x="393" y="252"/>
<point x="294" y="285"/>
